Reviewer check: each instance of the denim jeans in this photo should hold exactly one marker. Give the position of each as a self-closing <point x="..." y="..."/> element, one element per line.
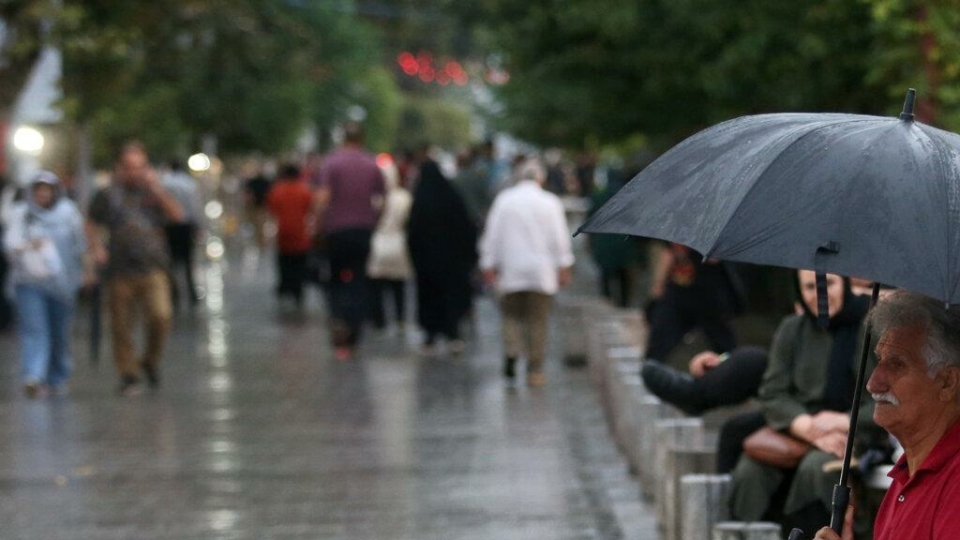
<point x="44" y="329"/>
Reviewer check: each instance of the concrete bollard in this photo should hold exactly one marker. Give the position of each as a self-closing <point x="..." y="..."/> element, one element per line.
<point x="670" y="435"/>
<point x="626" y="429"/>
<point x="599" y="336"/>
<point x="650" y="411"/>
<point x="681" y="461"/>
<point x="735" y="530"/>
<point x="702" y="504"/>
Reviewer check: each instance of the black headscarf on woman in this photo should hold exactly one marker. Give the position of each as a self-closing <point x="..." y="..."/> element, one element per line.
<point x="845" y="329"/>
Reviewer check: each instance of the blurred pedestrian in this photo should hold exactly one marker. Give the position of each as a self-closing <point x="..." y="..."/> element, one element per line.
<point x="474" y="184"/>
<point x="389" y="266"/>
<point x="134" y="210"/>
<point x="255" y="191"/>
<point x="182" y="234"/>
<point x="291" y="203"/>
<point x="526" y="255"/>
<point x="443" y="246"/>
<point x="351" y="197"/>
<point x="689" y="293"/>
<point x="45" y="241"/>
<point x="615" y="256"/>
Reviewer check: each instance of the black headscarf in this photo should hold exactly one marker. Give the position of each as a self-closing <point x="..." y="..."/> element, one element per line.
<point x="845" y="329"/>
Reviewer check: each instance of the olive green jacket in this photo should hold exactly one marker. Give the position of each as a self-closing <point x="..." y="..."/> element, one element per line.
<point x="795" y="380"/>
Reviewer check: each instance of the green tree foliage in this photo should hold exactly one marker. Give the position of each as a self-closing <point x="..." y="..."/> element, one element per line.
<point x="919" y="45"/>
<point x="252" y="73"/>
<point x="586" y="72"/>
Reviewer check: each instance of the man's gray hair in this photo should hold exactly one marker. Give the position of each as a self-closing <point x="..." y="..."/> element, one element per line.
<point x="533" y="169"/>
<point x="941" y="323"/>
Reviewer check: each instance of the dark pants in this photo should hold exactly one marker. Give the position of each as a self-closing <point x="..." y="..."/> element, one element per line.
<point x="292" y="270"/>
<point x="682" y="309"/>
<point x="387" y="287"/>
<point x="732" y="434"/>
<point x="616" y="281"/>
<point x="348" y="251"/>
<point x="180" y="241"/>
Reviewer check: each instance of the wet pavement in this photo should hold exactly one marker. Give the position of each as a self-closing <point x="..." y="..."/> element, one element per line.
<point x="258" y="433"/>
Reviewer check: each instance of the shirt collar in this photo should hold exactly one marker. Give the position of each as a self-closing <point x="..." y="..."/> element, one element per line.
<point x="946" y="449"/>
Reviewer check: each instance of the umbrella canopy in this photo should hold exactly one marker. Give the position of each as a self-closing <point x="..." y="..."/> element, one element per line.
<point x="864" y="196"/>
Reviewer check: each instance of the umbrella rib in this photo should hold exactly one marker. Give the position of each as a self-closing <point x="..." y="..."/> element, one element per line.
<point x="766" y="167"/>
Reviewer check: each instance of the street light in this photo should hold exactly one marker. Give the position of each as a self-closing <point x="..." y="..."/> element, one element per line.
<point x="199" y="162"/>
<point x="28" y="140"/>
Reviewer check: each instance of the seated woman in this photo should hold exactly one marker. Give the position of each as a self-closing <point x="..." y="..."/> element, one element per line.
<point x="806" y="392"/>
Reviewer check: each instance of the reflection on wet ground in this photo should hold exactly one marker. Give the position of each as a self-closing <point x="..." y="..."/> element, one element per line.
<point x="258" y="433"/>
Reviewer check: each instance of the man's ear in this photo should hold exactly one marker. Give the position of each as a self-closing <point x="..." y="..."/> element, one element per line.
<point x="949" y="380"/>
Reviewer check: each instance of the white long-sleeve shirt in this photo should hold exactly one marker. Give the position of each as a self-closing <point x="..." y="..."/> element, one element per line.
<point x="526" y="240"/>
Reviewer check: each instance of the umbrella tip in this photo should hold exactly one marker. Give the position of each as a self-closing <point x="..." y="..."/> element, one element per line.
<point x="907" y="113"/>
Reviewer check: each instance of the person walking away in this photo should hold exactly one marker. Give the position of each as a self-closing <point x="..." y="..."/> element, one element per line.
<point x="134" y="210"/>
<point x="614" y="256"/>
<point x="350" y="196"/>
<point x="443" y="246"/>
<point x="389" y="266"/>
<point x="291" y="203"/>
<point x="526" y="255"/>
<point x="255" y="191"/>
<point x="182" y="234"/>
<point x="45" y="243"/>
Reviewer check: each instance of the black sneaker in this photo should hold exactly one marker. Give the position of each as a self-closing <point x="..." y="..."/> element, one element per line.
<point x="509" y="367"/>
<point x="129" y="386"/>
<point x="152" y="375"/>
<point x="674" y="387"/>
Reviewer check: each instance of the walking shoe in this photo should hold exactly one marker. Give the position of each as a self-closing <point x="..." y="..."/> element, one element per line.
<point x="536" y="380"/>
<point x="33" y="390"/>
<point x="509" y="367"/>
<point x="457" y="346"/>
<point x="672" y="386"/>
<point x="129" y="386"/>
<point x="152" y="375"/>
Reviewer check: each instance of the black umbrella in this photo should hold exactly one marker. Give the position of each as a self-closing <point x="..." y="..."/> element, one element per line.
<point x="864" y="196"/>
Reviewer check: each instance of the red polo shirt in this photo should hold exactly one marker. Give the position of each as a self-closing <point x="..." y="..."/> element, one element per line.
<point x="926" y="506"/>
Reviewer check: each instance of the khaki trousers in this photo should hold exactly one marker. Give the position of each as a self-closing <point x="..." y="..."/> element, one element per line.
<point x="525" y="319"/>
<point x="128" y="295"/>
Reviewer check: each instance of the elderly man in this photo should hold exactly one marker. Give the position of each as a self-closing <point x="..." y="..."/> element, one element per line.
<point x="916" y="387"/>
<point x="526" y="255"/>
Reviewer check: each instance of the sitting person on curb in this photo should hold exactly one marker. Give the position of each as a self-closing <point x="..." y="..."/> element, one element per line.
<point x="806" y="393"/>
<point x="916" y="388"/>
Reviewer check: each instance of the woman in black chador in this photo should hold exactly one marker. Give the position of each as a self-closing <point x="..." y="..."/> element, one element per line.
<point x="443" y="249"/>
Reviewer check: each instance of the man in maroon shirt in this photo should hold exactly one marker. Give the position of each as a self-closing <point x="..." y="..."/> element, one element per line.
<point x="350" y="194"/>
<point x="916" y="386"/>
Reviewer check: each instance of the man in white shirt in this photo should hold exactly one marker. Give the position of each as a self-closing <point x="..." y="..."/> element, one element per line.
<point x="526" y="255"/>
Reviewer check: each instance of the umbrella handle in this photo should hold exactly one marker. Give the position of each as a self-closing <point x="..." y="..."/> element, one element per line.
<point x="841" y="491"/>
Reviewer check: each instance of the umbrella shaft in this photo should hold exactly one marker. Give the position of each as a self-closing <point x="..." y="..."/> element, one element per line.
<point x="836" y="520"/>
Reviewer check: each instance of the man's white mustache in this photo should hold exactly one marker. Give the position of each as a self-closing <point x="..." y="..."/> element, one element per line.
<point x="885" y="397"/>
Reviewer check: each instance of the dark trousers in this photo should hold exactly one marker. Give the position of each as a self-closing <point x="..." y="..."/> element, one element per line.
<point x="348" y="251"/>
<point x="615" y="285"/>
<point x="180" y="238"/>
<point x="380" y="288"/>
<point x="292" y="272"/>
<point x="732" y="434"/>
<point x="680" y="310"/>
